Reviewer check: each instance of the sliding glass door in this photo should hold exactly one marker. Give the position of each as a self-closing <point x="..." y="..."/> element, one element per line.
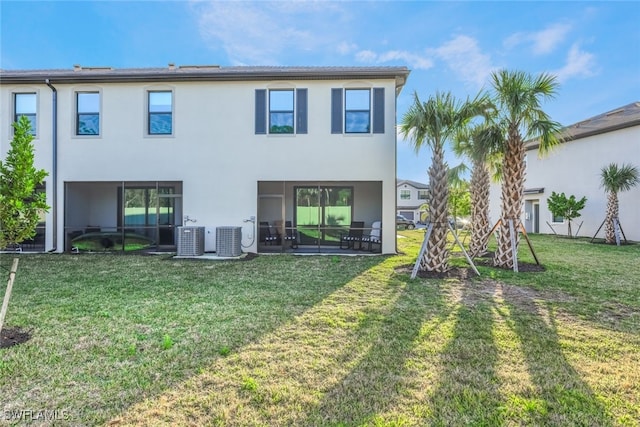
<point x="322" y="213"/>
<point x="150" y="210"/>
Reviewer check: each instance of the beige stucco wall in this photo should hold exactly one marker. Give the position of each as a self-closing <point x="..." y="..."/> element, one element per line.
<point x="213" y="149"/>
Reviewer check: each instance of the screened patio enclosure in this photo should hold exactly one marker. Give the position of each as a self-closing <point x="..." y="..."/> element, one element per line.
<point x="305" y="216"/>
<point x="124" y="215"/>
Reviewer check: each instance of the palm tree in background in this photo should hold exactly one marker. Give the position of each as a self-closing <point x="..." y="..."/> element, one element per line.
<point x="458" y="191"/>
<point x="480" y="145"/>
<point x="517" y="96"/>
<point x="614" y="180"/>
<point x="433" y="123"/>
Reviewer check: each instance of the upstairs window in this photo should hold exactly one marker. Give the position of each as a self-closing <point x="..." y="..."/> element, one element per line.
<point x="25" y="105"/>
<point x="357" y="111"/>
<point x="281" y="111"/>
<point x="87" y="113"/>
<point x="423" y="194"/>
<point x="405" y="194"/>
<point x="160" y="119"/>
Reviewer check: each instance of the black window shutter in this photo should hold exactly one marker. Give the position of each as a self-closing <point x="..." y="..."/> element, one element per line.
<point x="378" y="110"/>
<point x="301" y="110"/>
<point x="261" y="111"/>
<point x="336" y="110"/>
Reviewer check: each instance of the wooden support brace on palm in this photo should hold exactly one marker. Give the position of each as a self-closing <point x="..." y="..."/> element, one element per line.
<point x="7" y="294"/>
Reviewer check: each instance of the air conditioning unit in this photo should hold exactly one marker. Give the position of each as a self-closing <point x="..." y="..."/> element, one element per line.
<point x="190" y="241"/>
<point x="228" y="241"/>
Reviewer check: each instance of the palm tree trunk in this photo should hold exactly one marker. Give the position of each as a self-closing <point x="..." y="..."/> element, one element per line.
<point x="437" y="254"/>
<point x="612" y="212"/>
<point x="480" y="228"/>
<point x="512" y="199"/>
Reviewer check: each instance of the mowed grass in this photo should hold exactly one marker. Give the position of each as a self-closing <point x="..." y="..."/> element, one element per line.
<point x="327" y="340"/>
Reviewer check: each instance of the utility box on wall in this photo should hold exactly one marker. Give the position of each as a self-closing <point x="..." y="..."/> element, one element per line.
<point x="228" y="241"/>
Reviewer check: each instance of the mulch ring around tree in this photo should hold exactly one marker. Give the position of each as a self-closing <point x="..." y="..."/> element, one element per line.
<point x="13" y="336"/>
<point x="463" y="273"/>
<point x="486" y="260"/>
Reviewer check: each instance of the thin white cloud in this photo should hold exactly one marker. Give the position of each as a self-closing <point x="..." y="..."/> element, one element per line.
<point x="579" y="64"/>
<point x="345" y="48"/>
<point x="414" y="61"/>
<point x="542" y="42"/>
<point x="367" y="56"/>
<point x="261" y="32"/>
<point x="465" y="58"/>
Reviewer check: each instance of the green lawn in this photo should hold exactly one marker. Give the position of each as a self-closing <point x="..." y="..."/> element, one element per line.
<point x="326" y="340"/>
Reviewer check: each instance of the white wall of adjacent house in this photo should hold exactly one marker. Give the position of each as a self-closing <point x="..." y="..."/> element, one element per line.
<point x="213" y="149"/>
<point x="408" y="201"/>
<point x="574" y="168"/>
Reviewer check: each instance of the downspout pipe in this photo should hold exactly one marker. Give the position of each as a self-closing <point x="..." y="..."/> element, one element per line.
<point x="54" y="167"/>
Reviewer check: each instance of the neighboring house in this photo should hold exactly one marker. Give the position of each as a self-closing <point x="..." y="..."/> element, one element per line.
<point x="149" y="150"/>
<point x="573" y="167"/>
<point x="411" y="195"/>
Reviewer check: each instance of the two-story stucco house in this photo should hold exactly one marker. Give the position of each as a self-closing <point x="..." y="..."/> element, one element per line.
<point x="574" y="168"/>
<point x="411" y="195"/>
<point x="149" y="150"/>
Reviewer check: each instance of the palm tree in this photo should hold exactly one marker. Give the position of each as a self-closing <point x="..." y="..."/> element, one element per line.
<point x="517" y="96"/>
<point x="433" y="123"/>
<point x="459" y="195"/>
<point x="479" y="144"/>
<point x="614" y="180"/>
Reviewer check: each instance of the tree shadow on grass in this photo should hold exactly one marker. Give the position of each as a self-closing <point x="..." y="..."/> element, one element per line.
<point x="566" y="399"/>
<point x="382" y="376"/>
<point x="468" y="388"/>
<point x="247" y="301"/>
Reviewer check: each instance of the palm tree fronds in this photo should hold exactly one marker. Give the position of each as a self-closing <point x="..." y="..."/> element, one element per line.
<point x="456" y="173"/>
<point x="616" y="178"/>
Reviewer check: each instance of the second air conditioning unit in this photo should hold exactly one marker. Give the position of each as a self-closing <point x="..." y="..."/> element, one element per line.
<point x="228" y="241"/>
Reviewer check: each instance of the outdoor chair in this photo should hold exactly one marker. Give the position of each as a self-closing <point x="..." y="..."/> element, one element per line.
<point x="291" y="234"/>
<point x="269" y="235"/>
<point x="374" y="237"/>
<point x="348" y="241"/>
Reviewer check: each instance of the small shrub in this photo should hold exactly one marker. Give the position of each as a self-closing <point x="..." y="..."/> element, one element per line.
<point x="249" y="384"/>
<point x="131" y="350"/>
<point x="167" y="342"/>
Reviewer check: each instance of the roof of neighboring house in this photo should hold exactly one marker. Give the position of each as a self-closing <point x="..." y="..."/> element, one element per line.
<point x="415" y="184"/>
<point x="81" y="74"/>
<point x="620" y="118"/>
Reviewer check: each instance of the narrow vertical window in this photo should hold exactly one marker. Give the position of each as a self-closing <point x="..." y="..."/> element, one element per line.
<point x="357" y="111"/>
<point x="160" y="120"/>
<point x="88" y="113"/>
<point x="25" y="105"/>
<point x="281" y="111"/>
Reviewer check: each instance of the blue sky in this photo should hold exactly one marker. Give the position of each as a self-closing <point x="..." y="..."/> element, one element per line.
<point x="593" y="47"/>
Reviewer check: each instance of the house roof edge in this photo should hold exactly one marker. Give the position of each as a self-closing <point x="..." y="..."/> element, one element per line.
<point x="201" y="73"/>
